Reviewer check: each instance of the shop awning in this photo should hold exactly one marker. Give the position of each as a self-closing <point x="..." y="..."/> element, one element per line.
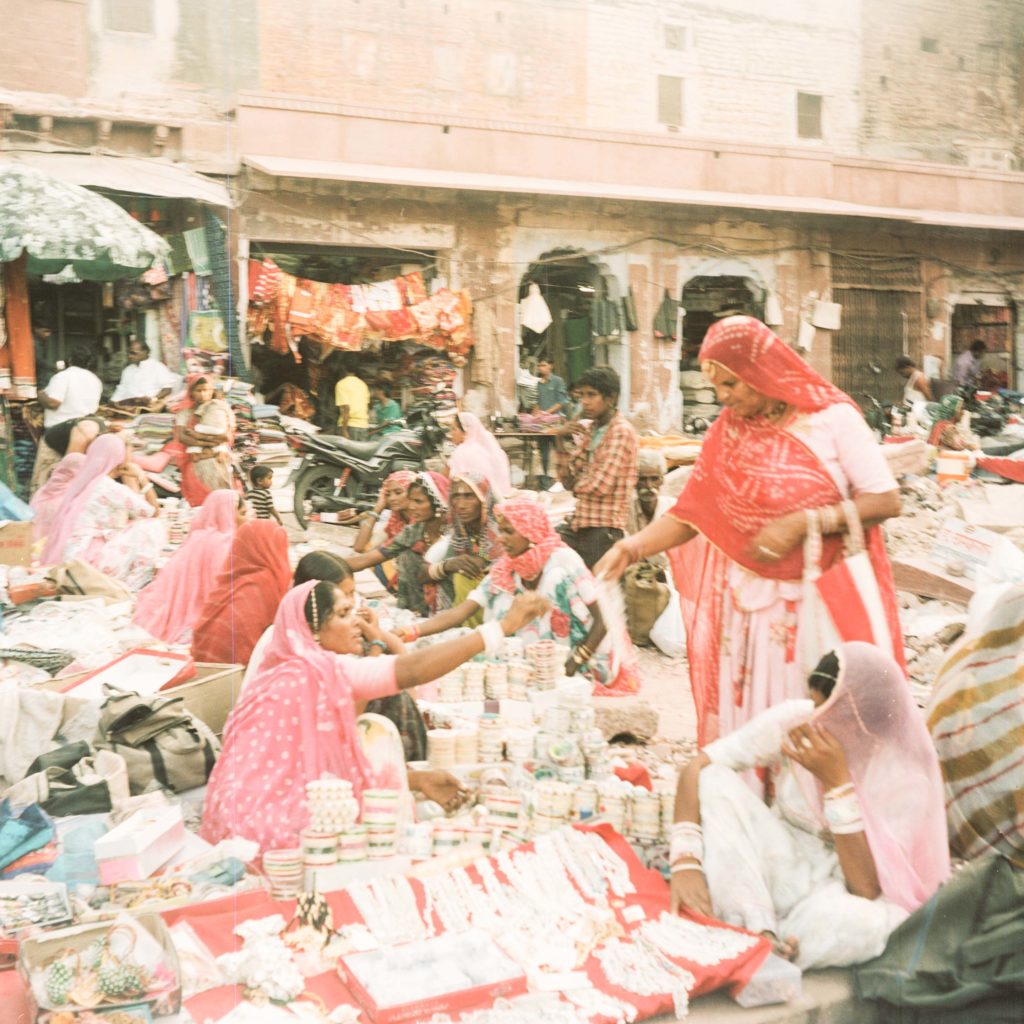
<point x="59" y="225"/>
<point x="127" y="174"/>
<point x="326" y="170"/>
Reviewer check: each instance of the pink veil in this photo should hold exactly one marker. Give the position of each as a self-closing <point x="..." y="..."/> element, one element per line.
<point x="480" y="453"/>
<point x="895" y="771"/>
<point x="172" y="602"/>
<point x="47" y="499"/>
<point x="107" y="452"/>
<point x="311" y="684"/>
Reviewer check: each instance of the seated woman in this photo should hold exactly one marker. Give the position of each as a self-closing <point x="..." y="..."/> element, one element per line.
<point x="427" y="510"/>
<point x="473" y="544"/>
<point x="48" y="498"/>
<point x="477" y="451"/>
<point x="537" y="560"/>
<point x="297" y="720"/>
<point x="856" y="838"/>
<point x="203" y="433"/>
<point x="169" y="607"/>
<point x="108" y="517"/>
<point x="246" y="595"/>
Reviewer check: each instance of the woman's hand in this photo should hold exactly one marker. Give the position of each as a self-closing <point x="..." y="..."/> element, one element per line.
<point x="469" y="565"/>
<point x="778" y="538"/>
<point x="689" y="891"/>
<point x="525" y="608"/>
<point x="816" y="749"/>
<point x="407" y="634"/>
<point x="614" y="562"/>
<point x="370" y="623"/>
<point x="570" y="665"/>
<point x="441" y="787"/>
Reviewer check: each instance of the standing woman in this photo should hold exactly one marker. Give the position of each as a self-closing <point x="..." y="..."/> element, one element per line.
<point x="427" y="509"/>
<point x="170" y="605"/>
<point x="203" y="467"/>
<point x="245" y="597"/>
<point x="108" y="517"/>
<point x="788" y="445"/>
<point x="477" y="451"/>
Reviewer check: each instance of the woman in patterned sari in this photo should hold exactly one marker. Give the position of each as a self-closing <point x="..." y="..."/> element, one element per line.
<point x="788" y="442"/>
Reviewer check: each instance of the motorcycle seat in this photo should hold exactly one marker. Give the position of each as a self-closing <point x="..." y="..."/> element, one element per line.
<point x="359" y="449"/>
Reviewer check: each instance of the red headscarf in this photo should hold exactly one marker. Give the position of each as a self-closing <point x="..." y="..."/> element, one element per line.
<point x="397" y="521"/>
<point x="175" y="599"/>
<point x="245" y="597"/>
<point x="185" y="400"/>
<point x="751" y="472"/>
<point x="530" y="521"/>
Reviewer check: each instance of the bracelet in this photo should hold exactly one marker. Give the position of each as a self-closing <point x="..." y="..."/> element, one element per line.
<point x="582" y="654"/>
<point x="371" y="515"/>
<point x="843" y="814"/>
<point x="836" y="792"/>
<point x="146" y="489"/>
<point x="493" y="637"/>
<point x="378" y="643"/>
<point x="436" y="572"/>
<point x="688" y="866"/>
<point x="686" y="846"/>
<point x="414" y="629"/>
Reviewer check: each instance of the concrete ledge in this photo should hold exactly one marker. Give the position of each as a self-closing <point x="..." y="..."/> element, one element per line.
<point x="828" y="998"/>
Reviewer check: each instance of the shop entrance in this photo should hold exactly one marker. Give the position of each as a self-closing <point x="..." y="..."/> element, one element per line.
<point x="992" y="325"/>
<point x="707" y="299"/>
<point x="582" y="311"/>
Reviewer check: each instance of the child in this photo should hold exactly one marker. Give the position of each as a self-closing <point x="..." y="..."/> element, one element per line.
<point x="260" y="498"/>
<point x="385" y="411"/>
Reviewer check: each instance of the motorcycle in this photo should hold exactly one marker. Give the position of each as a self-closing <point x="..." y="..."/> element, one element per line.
<point x="336" y="473"/>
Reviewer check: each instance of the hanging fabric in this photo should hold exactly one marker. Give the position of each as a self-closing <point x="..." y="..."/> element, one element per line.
<point x="18" y="356"/>
<point x="665" y="319"/>
<point x="629" y="319"/>
<point x="533" y="310"/>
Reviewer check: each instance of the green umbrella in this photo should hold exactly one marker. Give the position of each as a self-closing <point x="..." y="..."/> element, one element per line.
<point x="62" y="225"/>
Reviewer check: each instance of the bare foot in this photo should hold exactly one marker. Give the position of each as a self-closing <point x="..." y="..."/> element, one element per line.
<point x="788" y="948"/>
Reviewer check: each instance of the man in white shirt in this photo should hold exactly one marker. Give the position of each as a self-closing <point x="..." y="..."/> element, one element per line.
<point x="144" y="381"/>
<point x="72" y="393"/>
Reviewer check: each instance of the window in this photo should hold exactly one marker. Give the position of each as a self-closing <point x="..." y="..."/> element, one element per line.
<point x="808" y="115"/>
<point x="502" y="74"/>
<point x="929" y="45"/>
<point x="676" y="37"/>
<point x="128" y="16"/>
<point x="670" y="100"/>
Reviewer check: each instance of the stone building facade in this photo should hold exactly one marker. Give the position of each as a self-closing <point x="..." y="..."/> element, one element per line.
<point x="774" y="157"/>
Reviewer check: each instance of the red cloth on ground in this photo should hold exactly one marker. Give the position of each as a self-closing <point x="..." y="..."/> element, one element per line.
<point x="246" y="595"/>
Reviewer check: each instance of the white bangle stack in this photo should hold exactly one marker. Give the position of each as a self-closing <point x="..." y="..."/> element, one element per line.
<point x="686" y="840"/>
<point x="493" y="637"/>
<point x="842" y="811"/>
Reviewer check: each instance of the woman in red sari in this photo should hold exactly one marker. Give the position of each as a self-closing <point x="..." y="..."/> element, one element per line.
<point x="244" y="599"/>
<point x="787" y="442"/>
<point x="202" y="449"/>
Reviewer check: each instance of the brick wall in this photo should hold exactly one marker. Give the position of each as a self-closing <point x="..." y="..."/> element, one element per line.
<point x="939" y="75"/>
<point x="44" y="46"/>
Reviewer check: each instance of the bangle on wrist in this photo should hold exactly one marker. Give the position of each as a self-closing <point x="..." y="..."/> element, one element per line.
<point x="688" y="865"/>
<point x="493" y="637"/>
<point x="379" y="643"/>
<point x="414" y="631"/>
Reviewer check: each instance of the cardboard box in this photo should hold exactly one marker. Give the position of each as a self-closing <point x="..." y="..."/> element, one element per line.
<point x="140" y="844"/>
<point x="453" y="1003"/>
<point x="35" y="953"/>
<point x="16" y="544"/>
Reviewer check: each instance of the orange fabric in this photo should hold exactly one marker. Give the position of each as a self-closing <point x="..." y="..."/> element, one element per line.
<point x="19" y="354"/>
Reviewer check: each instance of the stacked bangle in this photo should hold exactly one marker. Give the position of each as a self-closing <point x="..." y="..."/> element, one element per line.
<point x="493" y="637"/>
<point x="582" y="654"/>
<point x="842" y="811"/>
<point x="436" y="572"/>
<point x="831" y="517"/>
<point x="379" y="643"/>
<point x="686" y="846"/>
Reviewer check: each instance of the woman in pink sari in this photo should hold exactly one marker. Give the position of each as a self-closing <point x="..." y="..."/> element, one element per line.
<point x="47" y="499"/>
<point x="108" y="517"/>
<point x="296" y="719"/>
<point x="856" y="839"/>
<point x="170" y="606"/>
<point x="787" y="443"/>
<point x="477" y="451"/>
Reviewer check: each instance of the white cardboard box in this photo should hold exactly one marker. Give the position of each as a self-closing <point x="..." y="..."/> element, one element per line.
<point x="142" y="843"/>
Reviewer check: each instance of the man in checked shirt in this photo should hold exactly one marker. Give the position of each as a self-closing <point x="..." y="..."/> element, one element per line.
<point x="602" y="470"/>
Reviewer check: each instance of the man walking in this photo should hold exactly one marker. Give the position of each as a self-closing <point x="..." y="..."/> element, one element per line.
<point x="602" y="471"/>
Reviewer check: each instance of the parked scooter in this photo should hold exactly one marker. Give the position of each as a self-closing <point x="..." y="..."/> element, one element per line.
<point x="336" y="473"/>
